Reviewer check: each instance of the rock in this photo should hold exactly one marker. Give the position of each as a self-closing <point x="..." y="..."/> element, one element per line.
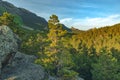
<point x="8" y="45"/>
<point x="80" y="78"/>
<point x="52" y="78"/>
<point x="13" y="64"/>
<point x="23" y="68"/>
<point x="58" y="78"/>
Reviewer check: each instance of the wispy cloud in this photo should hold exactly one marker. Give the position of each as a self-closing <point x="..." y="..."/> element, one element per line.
<point x="66" y="20"/>
<point x="87" y="23"/>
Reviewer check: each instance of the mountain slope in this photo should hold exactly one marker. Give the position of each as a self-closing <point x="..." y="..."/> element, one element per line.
<point x="29" y="19"/>
<point x="108" y="36"/>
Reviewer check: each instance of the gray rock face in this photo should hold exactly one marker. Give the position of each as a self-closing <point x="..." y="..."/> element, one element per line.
<point x="56" y="78"/>
<point x="8" y="45"/>
<point x="22" y="68"/>
<point x="13" y="64"/>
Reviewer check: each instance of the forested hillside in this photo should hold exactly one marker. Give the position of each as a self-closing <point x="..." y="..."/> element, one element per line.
<point x="28" y="18"/>
<point x="93" y="54"/>
<point x="108" y="36"/>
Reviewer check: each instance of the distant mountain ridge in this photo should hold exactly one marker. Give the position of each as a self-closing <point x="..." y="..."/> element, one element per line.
<point x="29" y="19"/>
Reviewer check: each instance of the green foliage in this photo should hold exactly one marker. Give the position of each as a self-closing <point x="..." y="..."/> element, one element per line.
<point x="102" y="37"/>
<point x="6" y="19"/>
<point x="10" y="20"/>
<point x="2" y="9"/>
<point x="18" y="20"/>
<point x="68" y="74"/>
<point x="106" y="67"/>
<point x="68" y="55"/>
<point x="56" y="56"/>
<point x="31" y="40"/>
<point x="83" y="58"/>
<point x="53" y="21"/>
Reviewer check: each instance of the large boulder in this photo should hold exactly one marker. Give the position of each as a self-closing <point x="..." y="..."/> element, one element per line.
<point x="13" y="64"/>
<point x="23" y="68"/>
<point x="8" y="45"/>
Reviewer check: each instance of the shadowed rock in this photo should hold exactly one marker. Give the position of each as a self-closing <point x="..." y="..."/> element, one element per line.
<point x="8" y="45"/>
<point x="23" y="68"/>
<point x="13" y="64"/>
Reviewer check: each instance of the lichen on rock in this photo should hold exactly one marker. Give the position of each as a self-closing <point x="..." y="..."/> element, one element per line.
<point x="8" y="45"/>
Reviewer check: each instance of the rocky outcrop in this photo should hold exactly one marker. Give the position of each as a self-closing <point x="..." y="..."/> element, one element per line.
<point x="13" y="64"/>
<point x="8" y="45"/>
<point x="23" y="68"/>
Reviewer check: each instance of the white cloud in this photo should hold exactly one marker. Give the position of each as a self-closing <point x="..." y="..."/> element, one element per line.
<point x="87" y="23"/>
<point x="65" y="20"/>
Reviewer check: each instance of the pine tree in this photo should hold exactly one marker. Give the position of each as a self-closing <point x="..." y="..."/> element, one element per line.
<point x="106" y="67"/>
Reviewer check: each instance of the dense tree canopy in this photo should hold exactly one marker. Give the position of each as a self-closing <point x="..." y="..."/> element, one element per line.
<point x="93" y="54"/>
<point x="106" y="67"/>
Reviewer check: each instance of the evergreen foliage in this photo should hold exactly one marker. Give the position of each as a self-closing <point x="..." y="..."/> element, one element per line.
<point x="70" y="54"/>
<point x="106" y="67"/>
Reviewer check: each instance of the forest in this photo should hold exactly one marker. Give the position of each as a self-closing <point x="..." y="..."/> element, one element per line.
<point x="93" y="54"/>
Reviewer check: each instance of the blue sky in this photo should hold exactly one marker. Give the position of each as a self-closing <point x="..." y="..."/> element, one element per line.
<point x="82" y="14"/>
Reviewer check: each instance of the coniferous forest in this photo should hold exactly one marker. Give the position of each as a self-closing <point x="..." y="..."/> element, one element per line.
<point x="93" y="54"/>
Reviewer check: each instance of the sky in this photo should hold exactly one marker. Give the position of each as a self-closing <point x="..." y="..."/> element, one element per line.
<point x="81" y="14"/>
